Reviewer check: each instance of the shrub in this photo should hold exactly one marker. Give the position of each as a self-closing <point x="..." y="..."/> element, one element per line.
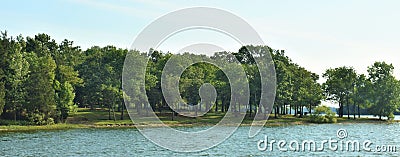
<point x="39" y="119"/>
<point x="323" y="114"/>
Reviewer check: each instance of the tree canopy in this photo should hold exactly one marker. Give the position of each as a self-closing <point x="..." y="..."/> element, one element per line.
<point x="43" y="81"/>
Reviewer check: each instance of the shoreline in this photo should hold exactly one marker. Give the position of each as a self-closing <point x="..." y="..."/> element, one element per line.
<point x="272" y="122"/>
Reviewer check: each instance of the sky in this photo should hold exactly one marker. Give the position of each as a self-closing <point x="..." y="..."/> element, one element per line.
<point x="315" y="34"/>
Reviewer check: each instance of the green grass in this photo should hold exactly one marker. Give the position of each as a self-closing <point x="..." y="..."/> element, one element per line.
<point x="99" y="118"/>
<point x="18" y="128"/>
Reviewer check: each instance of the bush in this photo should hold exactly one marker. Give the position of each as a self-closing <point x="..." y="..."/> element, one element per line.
<point x="39" y="119"/>
<point x="323" y="114"/>
<point x="391" y="116"/>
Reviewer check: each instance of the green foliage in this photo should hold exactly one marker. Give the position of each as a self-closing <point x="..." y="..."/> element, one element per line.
<point x="2" y="95"/>
<point x="384" y="90"/>
<point x="44" y="82"/>
<point x="323" y="114"/>
<point x="41" y="94"/>
<point x="39" y="78"/>
<point x="64" y="98"/>
<point x="340" y="85"/>
<point x="38" y="118"/>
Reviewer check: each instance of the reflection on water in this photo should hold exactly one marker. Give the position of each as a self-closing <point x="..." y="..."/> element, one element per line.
<point x="124" y="142"/>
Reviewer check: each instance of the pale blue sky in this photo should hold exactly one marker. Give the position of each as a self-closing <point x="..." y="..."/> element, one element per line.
<point x="315" y="34"/>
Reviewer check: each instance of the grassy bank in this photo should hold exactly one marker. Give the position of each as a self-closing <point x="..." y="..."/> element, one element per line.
<point x="27" y="128"/>
<point x="85" y="118"/>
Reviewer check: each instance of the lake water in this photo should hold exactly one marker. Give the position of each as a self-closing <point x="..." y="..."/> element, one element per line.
<point x="129" y="142"/>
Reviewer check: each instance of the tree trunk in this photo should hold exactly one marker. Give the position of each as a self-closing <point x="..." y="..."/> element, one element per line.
<point x="278" y="109"/>
<point x="354" y="111"/>
<point x="358" y="110"/>
<point x="301" y="111"/>
<point x="340" y="109"/>
<point x="122" y="111"/>
<point x="348" y="109"/>
<point x="113" y="110"/>
<point x="250" y="110"/>
<point x="172" y="115"/>
<point x="15" y="114"/>
<point x="196" y="108"/>
<point x="216" y="106"/>
<point x="109" y="112"/>
<point x="91" y="107"/>
<point x="222" y="105"/>
<point x="238" y="104"/>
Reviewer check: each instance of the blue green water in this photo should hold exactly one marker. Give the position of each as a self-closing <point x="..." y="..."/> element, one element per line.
<point x="129" y="142"/>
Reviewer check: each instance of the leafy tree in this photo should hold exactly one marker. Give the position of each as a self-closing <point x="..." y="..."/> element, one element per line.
<point x="3" y="59"/>
<point x="155" y="66"/>
<point x="15" y="74"/>
<point x="2" y="92"/>
<point x="41" y="94"/>
<point x="339" y="85"/>
<point x="306" y="90"/>
<point x="89" y="94"/>
<point x="314" y="94"/>
<point x="254" y="84"/>
<point x="384" y="89"/>
<point x="67" y="57"/>
<point x="360" y="96"/>
<point x="284" y="85"/>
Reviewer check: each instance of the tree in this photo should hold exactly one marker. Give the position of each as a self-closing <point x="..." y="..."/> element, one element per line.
<point x="91" y="71"/>
<point x="3" y="64"/>
<point x="17" y="75"/>
<point x="41" y="94"/>
<point x="155" y="66"/>
<point x="339" y="85"/>
<point x="314" y="93"/>
<point x="67" y="57"/>
<point x="384" y="90"/>
<point x="2" y="92"/>
<point x="64" y="98"/>
<point x="284" y="85"/>
<point x="360" y="96"/>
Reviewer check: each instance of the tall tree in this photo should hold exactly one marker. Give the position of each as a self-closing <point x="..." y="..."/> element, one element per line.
<point x="339" y="85"/>
<point x="16" y="78"/>
<point x="361" y="94"/>
<point x="91" y="71"/>
<point x="2" y="92"/>
<point x="40" y="101"/>
<point x="284" y="84"/>
<point x="385" y="90"/>
<point x="65" y="80"/>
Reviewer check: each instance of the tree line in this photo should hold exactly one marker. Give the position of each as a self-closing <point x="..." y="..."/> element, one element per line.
<point x="42" y="81"/>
